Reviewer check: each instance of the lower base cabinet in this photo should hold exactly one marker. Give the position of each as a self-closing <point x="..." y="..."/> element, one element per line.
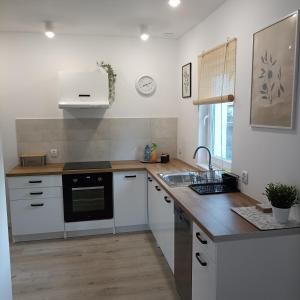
<point x="36" y="206"/>
<point x="130" y="200"/>
<point x="258" y="268"/>
<point x="203" y="267"/>
<point x="161" y="219"/>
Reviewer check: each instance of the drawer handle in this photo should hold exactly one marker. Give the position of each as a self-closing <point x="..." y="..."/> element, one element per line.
<point x="37" y="205"/>
<point x="35" y="181"/>
<point x="130" y="176"/>
<point x="201" y="262"/>
<point x="198" y="236"/>
<point x="157" y="188"/>
<point x="167" y="200"/>
<point x="36" y="193"/>
<point x="149" y="178"/>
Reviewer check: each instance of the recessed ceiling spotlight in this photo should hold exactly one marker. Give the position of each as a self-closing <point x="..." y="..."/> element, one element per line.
<point x="49" y="33"/>
<point x="144" y="33"/>
<point x="174" y="3"/>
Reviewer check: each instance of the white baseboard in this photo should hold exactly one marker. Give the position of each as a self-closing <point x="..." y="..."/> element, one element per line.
<point x="89" y="225"/>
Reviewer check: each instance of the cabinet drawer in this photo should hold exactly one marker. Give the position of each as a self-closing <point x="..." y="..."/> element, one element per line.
<point x="37" y="216"/>
<point x="34" y="181"/>
<point x="203" y="243"/>
<point x="35" y="193"/>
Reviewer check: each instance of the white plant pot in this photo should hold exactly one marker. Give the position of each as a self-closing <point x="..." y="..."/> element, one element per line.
<point x="281" y="215"/>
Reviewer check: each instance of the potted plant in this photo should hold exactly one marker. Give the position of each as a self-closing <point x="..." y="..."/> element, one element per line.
<point x="282" y="198"/>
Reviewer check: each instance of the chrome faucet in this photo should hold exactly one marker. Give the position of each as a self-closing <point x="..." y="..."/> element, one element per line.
<point x="209" y="156"/>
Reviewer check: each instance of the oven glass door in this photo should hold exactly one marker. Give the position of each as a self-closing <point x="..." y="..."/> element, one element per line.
<point x="88" y="199"/>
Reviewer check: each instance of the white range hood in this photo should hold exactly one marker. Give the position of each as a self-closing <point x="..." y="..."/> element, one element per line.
<point x="83" y="89"/>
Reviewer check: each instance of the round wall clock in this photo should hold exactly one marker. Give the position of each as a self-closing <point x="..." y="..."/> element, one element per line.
<point x="145" y="85"/>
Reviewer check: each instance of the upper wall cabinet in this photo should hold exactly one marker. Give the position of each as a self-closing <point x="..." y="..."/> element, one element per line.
<point x="83" y="89"/>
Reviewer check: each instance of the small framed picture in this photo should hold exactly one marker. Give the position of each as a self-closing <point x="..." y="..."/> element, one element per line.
<point x="274" y="74"/>
<point x="187" y="80"/>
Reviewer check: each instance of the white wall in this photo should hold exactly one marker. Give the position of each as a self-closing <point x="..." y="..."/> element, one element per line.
<point x="29" y="87"/>
<point x="5" y="273"/>
<point x="268" y="155"/>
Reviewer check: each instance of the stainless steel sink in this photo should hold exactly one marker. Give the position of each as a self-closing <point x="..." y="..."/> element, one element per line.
<point x="191" y="177"/>
<point x="203" y="183"/>
<point x="179" y="179"/>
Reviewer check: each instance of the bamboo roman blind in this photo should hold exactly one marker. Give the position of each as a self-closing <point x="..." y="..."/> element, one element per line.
<point x="216" y="74"/>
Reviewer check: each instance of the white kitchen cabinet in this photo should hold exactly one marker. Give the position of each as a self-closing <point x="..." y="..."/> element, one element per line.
<point x="150" y="196"/>
<point x="161" y="219"/>
<point x="203" y="266"/>
<point x="130" y="200"/>
<point x="36" y="206"/>
<point x="245" y="268"/>
<point x="166" y="228"/>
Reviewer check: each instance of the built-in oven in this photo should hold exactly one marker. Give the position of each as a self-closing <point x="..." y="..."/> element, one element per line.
<point x="88" y="196"/>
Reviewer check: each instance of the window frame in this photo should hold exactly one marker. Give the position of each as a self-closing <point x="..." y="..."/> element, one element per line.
<point x="204" y="138"/>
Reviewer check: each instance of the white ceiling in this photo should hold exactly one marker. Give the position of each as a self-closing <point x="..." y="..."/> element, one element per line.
<point x="105" y="17"/>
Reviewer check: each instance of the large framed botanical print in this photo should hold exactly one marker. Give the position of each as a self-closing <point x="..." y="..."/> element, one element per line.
<point x="274" y="74"/>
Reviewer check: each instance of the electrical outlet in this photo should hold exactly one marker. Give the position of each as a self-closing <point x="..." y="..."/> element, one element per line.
<point x="53" y="153"/>
<point x="245" y="177"/>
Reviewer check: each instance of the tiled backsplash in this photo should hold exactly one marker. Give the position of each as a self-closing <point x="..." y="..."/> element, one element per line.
<point x="96" y="139"/>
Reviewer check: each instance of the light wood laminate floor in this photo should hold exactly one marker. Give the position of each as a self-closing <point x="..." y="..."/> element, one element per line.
<point x="120" y="267"/>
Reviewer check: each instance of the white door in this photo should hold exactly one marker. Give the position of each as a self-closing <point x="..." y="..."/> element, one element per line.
<point x="161" y="219"/>
<point x="167" y="228"/>
<point x="5" y="273"/>
<point x="204" y="278"/>
<point x="130" y="198"/>
<point x="154" y="208"/>
<point x="204" y="269"/>
<point x="150" y="202"/>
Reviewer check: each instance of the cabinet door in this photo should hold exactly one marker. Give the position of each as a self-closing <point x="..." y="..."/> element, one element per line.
<point x="130" y="198"/>
<point x="203" y="272"/>
<point x="154" y="195"/>
<point x="167" y="228"/>
<point x="161" y="219"/>
<point x="203" y="285"/>
<point x="151" y="202"/>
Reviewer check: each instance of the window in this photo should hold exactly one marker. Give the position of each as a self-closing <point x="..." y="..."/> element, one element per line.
<point x="219" y="137"/>
<point x="216" y="93"/>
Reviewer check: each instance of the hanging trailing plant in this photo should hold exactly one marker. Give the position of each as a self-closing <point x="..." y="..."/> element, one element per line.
<point x="111" y="79"/>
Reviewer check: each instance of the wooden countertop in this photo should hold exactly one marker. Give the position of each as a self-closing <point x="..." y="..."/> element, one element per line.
<point x="211" y="212"/>
<point x="49" y="169"/>
<point x="57" y="169"/>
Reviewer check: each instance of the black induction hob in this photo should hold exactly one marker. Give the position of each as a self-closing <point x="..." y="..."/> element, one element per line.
<point x="87" y="165"/>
